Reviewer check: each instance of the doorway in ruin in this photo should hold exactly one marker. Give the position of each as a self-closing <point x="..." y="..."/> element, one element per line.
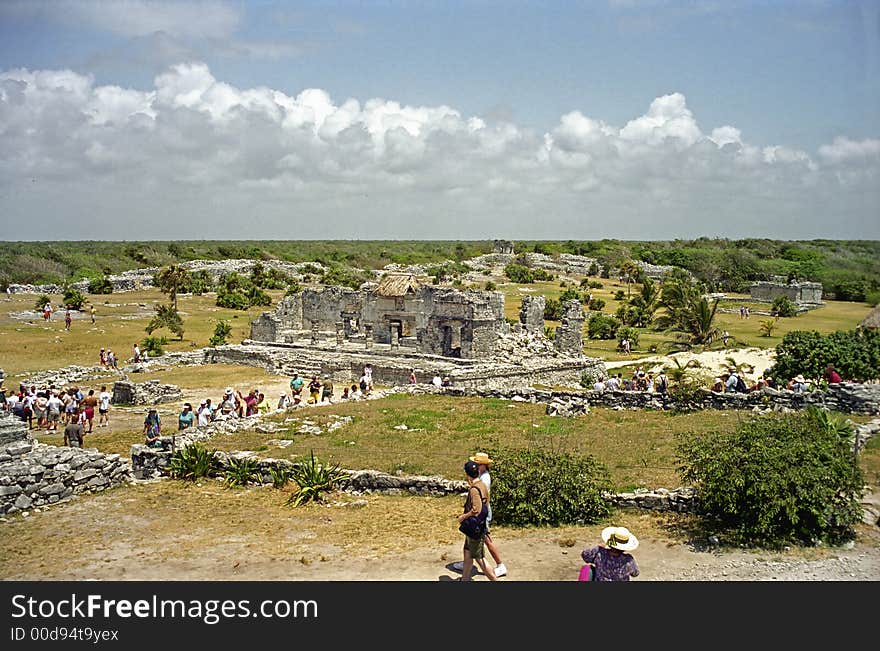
<point x="395" y="329"/>
<point x="451" y="340"/>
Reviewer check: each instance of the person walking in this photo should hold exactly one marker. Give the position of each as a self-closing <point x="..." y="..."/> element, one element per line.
<point x="67" y="320"/>
<point x="92" y="311"/>
<point x="104" y="407"/>
<point x="610" y="561"/>
<point x="327" y="390"/>
<point x="89" y="403"/>
<point x="484" y="461"/>
<point x="314" y="390"/>
<point x="476" y="505"/>
<point x="412" y="376"/>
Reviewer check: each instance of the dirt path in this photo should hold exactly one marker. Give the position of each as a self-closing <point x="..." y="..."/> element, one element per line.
<point x="165" y="531"/>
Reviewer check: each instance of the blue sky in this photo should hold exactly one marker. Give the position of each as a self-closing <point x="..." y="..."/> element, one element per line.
<point x="626" y="118"/>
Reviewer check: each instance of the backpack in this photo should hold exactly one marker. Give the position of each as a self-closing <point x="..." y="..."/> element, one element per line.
<point x="741" y="385"/>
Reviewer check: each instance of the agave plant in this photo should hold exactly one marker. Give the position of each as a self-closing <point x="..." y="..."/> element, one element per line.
<point x="313" y="478"/>
<point x="193" y="462"/>
<point x="280" y="476"/>
<point x="241" y="472"/>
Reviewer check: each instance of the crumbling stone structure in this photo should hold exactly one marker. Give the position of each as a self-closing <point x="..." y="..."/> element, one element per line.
<point x="570" y="333"/>
<point x="531" y="314"/>
<point x="150" y="392"/>
<point x="502" y="246"/>
<point x="400" y="312"/>
<point x="803" y="293"/>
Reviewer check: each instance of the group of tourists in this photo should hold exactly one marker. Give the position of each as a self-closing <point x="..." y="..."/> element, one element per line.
<point x="640" y="381"/>
<point x="734" y="382"/>
<point x="47" y="407"/>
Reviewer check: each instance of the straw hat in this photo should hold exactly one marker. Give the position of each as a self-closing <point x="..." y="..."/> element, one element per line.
<point x="619" y="538"/>
<point x="800" y="378"/>
<point x="482" y="458"/>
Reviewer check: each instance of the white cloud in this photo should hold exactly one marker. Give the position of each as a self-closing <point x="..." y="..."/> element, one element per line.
<point x="197" y="153"/>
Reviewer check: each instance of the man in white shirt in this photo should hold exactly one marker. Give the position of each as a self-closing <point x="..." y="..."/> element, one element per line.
<point x="437" y="381"/>
<point x="611" y="384"/>
<point x="599" y="385"/>
<point x="104" y="407"/>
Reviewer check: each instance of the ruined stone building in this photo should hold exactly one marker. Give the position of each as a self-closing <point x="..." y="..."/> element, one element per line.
<point x="802" y="293"/>
<point x="399" y="311"/>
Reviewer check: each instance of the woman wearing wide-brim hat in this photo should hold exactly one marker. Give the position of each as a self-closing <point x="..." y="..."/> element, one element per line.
<point x="611" y="560"/>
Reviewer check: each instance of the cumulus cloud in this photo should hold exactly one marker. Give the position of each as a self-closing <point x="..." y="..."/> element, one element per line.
<point x="196" y="157"/>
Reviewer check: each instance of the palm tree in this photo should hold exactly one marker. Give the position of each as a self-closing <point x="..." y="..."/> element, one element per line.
<point x="171" y="278"/>
<point x="630" y="269"/>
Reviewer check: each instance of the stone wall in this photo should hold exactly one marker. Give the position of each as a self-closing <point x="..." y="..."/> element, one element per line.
<point x="845" y="398"/>
<point x="33" y="474"/>
<point x="150" y="392"/>
<point x="801" y="293"/>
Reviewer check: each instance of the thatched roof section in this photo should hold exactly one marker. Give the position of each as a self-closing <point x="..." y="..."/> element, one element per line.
<point x="873" y="319"/>
<point x="397" y="285"/>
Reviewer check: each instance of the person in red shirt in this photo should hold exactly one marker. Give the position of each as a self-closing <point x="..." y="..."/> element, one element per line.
<point x="831" y="375"/>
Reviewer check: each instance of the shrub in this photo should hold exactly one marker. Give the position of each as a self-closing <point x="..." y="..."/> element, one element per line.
<point x="549" y="332"/>
<point x="313" y="478"/>
<point x="73" y="298"/>
<point x="543" y="487"/>
<point x="100" y="285"/>
<point x="233" y="300"/>
<point x="193" y="462"/>
<point x="552" y="310"/>
<point x="854" y="353"/>
<point x="767" y="327"/>
<point x="595" y="284"/>
<point x="602" y="326"/>
<point x="588" y="378"/>
<point x="519" y="274"/>
<point x="873" y="298"/>
<point x="619" y="295"/>
<point x="776" y="480"/>
<point x="166" y="317"/>
<point x="293" y="288"/>
<point x="221" y="333"/>
<point x="41" y="301"/>
<point x="783" y="306"/>
<point x="154" y="346"/>
<point x="490" y="286"/>
<point x="596" y="304"/>
<point x="626" y="332"/>
<point x="593" y="270"/>
<point x="241" y="472"/>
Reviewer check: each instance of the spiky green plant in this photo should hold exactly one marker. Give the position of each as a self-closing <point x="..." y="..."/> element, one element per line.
<point x="280" y="476"/>
<point x="193" y="462"/>
<point x="241" y="472"/>
<point x="313" y="478"/>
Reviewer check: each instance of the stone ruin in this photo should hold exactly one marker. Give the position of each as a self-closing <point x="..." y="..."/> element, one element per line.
<point x="502" y="246"/>
<point x="399" y="312"/>
<point x="803" y="294"/>
<point x="150" y="392"/>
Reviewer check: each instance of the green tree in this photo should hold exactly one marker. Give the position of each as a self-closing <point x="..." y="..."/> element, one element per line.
<point x="73" y="298"/>
<point x="166" y="317"/>
<point x="630" y="270"/>
<point x="170" y="279"/>
<point x="221" y="333"/>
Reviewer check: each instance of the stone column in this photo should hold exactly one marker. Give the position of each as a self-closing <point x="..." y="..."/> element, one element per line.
<point x="340" y="333"/>
<point x="368" y="336"/>
<point x="314" y="332"/>
<point x="395" y="342"/>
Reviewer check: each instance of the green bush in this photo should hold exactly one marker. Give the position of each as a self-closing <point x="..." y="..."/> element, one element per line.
<point x="233" y="300"/>
<point x="73" y="298"/>
<point x="776" y="480"/>
<point x="490" y="286"/>
<point x="602" y="326"/>
<point x="41" y="301"/>
<point x="193" y="462"/>
<point x="626" y="332"/>
<point x="519" y="274"/>
<point x="596" y="304"/>
<point x="154" y="346"/>
<point x="619" y="295"/>
<point x="552" y="310"/>
<point x="783" y="306"/>
<point x="280" y="476"/>
<point x="854" y="353"/>
<point x="100" y="285"/>
<point x="221" y="333"/>
<point x="544" y="487"/>
<point x="873" y="298"/>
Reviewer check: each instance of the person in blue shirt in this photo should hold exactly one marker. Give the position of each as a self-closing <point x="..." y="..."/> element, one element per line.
<point x="187" y="418"/>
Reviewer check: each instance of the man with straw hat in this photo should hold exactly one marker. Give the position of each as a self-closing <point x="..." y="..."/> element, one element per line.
<point x="611" y="561"/>
<point x="484" y="462"/>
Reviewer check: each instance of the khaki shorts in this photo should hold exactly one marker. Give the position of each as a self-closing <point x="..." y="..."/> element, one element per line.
<point x="475" y="547"/>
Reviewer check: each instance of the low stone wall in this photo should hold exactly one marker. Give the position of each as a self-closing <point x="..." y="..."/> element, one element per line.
<point x="33" y="474"/>
<point x="845" y="398"/>
<point x="150" y="392"/>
